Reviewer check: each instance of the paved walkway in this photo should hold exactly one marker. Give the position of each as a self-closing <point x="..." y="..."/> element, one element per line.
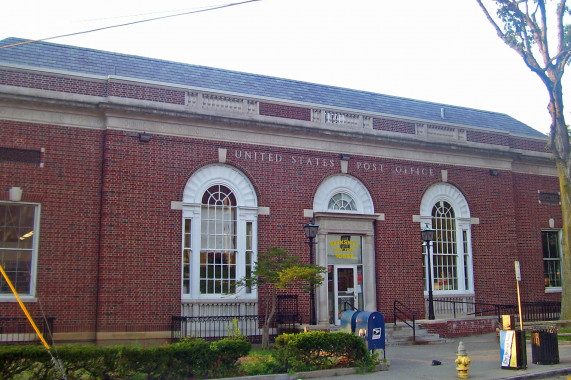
<point x="415" y="362"/>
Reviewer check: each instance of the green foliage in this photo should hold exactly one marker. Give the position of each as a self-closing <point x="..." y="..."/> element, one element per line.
<point x="260" y="363"/>
<point x="276" y="267"/>
<point x="307" y="274"/>
<point x="190" y="358"/>
<point x="321" y="350"/>
<point x="226" y="353"/>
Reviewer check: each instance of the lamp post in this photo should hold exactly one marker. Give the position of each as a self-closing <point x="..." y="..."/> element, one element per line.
<point x="310" y="231"/>
<point x="427" y="235"/>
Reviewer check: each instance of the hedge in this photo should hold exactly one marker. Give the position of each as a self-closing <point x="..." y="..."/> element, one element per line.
<point x="191" y="358"/>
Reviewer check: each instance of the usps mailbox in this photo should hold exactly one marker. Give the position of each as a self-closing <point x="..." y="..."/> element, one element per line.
<point x="371" y="325"/>
<point x="348" y="320"/>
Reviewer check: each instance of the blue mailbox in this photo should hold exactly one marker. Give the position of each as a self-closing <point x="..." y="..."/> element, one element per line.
<point x="348" y="320"/>
<point x="371" y="325"/>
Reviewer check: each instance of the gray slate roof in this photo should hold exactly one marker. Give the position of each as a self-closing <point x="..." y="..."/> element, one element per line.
<point x="96" y="62"/>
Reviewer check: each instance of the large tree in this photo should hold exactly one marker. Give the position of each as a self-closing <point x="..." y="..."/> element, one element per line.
<point x="524" y="25"/>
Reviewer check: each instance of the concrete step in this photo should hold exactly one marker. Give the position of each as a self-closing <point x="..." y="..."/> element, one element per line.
<point x="401" y="334"/>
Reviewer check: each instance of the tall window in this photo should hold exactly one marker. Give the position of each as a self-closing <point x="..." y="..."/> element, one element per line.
<point x="219" y="234"/>
<point x="444" y="248"/>
<point x="218" y="242"/>
<point x="445" y="210"/>
<point x="551" y="258"/>
<point x="18" y="247"/>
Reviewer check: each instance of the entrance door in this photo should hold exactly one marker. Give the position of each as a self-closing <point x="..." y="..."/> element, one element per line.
<point x="347" y="290"/>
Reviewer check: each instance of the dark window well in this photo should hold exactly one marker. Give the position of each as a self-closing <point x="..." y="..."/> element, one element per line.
<point x="20" y="155"/>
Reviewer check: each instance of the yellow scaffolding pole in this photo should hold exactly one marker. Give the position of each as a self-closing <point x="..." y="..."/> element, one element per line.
<point x="46" y="345"/>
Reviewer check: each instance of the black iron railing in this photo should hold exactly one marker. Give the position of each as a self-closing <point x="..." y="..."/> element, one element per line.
<point x="531" y="311"/>
<point x="402" y="313"/>
<point x="18" y="330"/>
<point x="287" y="310"/>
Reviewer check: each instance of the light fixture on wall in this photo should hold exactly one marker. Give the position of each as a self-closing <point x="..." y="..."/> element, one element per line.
<point x="345" y="157"/>
<point x="144" y="137"/>
<point x="494" y="173"/>
<point x="15" y="194"/>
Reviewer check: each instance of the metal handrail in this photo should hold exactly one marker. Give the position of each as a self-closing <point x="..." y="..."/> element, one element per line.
<point x="400" y="308"/>
<point x="345" y="303"/>
<point x="533" y="311"/>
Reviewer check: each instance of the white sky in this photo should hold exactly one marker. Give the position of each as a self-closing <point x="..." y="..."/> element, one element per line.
<point x="443" y="51"/>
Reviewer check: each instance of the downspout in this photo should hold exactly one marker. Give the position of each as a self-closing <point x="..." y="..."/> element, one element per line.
<point x="100" y="242"/>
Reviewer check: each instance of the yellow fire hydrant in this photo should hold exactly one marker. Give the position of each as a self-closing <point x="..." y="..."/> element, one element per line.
<point x="463" y="361"/>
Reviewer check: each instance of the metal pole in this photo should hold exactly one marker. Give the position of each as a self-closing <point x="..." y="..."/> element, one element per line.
<point x="430" y="299"/>
<point x="23" y="307"/>
<point x="312" y="290"/>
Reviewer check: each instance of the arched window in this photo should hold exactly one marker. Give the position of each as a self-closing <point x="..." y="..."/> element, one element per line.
<point x="219" y="238"/>
<point x="342" y="202"/>
<point x="218" y="241"/>
<point x="343" y="193"/>
<point x="445" y="209"/>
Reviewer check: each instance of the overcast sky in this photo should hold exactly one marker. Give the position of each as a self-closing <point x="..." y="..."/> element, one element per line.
<point x="443" y="51"/>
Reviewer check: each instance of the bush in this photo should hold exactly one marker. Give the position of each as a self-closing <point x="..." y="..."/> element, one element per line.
<point x="190" y="358"/>
<point x="321" y="350"/>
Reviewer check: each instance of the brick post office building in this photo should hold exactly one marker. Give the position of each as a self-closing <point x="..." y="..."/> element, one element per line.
<point x="133" y="190"/>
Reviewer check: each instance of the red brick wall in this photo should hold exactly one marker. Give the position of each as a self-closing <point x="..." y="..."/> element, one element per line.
<point x="533" y="217"/>
<point x="68" y="188"/>
<point x="139" y="281"/>
<point x="53" y="83"/>
<point x="461" y="327"/>
<point x="155" y="94"/>
<point x="394" y="126"/>
<point x="283" y="111"/>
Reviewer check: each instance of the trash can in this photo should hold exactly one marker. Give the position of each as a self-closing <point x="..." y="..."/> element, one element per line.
<point x="513" y="350"/>
<point x="544" y="346"/>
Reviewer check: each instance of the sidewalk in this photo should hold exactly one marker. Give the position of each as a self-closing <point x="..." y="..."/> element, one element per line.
<point x="415" y="362"/>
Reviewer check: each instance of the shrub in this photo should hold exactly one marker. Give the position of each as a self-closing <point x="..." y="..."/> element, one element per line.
<point x="190" y="358"/>
<point x="321" y="350"/>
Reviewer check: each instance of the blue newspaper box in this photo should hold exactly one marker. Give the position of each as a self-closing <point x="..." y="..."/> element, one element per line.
<point x="348" y="320"/>
<point x="371" y="325"/>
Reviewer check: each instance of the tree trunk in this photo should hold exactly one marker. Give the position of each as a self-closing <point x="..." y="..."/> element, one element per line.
<point x="560" y="147"/>
<point x="268" y="318"/>
<point x="565" y="188"/>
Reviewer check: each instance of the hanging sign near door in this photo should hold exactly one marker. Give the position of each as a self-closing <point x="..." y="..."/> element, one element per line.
<point x="344" y="249"/>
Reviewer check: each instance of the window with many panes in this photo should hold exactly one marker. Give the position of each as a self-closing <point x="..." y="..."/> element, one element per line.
<point x="444" y="248"/>
<point x="342" y="202"/>
<point x="446" y="211"/>
<point x="219" y="236"/>
<point x="551" y="258"/>
<point x="18" y="247"/>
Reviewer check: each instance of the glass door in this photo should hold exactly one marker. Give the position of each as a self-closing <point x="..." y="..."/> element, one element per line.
<point x="347" y="291"/>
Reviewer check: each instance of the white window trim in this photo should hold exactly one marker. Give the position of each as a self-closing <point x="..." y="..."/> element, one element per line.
<point x="448" y="193"/>
<point x="35" y="252"/>
<point x="555" y="289"/>
<point x="247" y="211"/>
<point x="342" y="183"/>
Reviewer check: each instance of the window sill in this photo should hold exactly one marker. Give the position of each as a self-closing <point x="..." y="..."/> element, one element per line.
<point x="553" y="290"/>
<point x="7" y="298"/>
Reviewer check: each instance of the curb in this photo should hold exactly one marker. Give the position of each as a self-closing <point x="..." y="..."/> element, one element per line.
<point x="540" y="375"/>
<point x="314" y="374"/>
